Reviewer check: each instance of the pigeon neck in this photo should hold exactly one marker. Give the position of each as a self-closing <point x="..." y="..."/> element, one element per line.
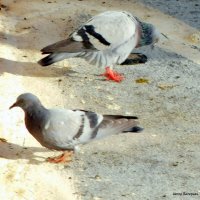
<point x="146" y="31"/>
<point x="35" y="109"/>
<point x="35" y="118"/>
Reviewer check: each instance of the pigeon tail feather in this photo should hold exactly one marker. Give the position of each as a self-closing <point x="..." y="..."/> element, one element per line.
<point x="115" y="124"/>
<point x="55" y="57"/>
<point x="135" y="129"/>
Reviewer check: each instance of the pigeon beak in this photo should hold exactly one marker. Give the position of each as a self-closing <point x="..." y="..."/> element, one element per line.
<point x="14" y="105"/>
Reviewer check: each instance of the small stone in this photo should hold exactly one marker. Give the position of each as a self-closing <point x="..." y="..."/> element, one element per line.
<point x="82" y="101"/>
<point x="110" y="98"/>
<point x="175" y="164"/>
<point x="164" y="86"/>
<point x="97" y="177"/>
<point x="113" y="107"/>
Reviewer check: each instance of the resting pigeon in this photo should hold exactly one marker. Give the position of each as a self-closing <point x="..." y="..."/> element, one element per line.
<point x="104" y="40"/>
<point x="63" y="130"/>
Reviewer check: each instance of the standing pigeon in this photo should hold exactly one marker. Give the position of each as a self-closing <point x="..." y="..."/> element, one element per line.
<point x="63" y="130"/>
<point x="104" y="40"/>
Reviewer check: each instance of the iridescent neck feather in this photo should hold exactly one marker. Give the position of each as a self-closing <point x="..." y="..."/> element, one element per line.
<point x="147" y="34"/>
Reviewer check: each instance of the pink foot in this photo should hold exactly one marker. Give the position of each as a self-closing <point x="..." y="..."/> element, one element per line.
<point x="65" y="157"/>
<point x="112" y="75"/>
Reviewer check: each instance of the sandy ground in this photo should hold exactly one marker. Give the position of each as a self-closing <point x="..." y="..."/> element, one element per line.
<point x="162" y="160"/>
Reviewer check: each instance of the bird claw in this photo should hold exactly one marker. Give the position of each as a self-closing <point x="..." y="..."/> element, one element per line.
<point x="64" y="157"/>
<point x="112" y="75"/>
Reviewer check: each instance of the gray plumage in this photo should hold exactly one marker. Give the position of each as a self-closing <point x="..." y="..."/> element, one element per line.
<point x="104" y="40"/>
<point x="63" y="129"/>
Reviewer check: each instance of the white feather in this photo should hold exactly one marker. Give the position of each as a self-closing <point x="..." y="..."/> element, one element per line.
<point x="117" y="28"/>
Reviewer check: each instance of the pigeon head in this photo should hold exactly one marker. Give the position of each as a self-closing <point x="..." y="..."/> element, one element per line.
<point x="26" y="101"/>
<point x="149" y="34"/>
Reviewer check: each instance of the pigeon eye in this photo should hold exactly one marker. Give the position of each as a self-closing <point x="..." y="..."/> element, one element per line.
<point x="21" y="102"/>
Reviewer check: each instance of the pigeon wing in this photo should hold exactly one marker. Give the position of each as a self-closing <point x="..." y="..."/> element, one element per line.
<point x="67" y="128"/>
<point x="61" y="127"/>
<point x="69" y="45"/>
<point x="114" y="124"/>
<point x="108" y="29"/>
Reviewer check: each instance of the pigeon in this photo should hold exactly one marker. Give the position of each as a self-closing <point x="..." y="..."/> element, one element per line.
<point x="105" y="40"/>
<point x="64" y="130"/>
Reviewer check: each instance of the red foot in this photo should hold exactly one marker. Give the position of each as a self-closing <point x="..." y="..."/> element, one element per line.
<point x="65" y="157"/>
<point x="112" y="75"/>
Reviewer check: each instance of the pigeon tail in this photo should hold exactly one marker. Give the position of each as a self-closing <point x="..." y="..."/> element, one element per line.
<point x="135" y="129"/>
<point x="115" y="124"/>
<point x="55" y="57"/>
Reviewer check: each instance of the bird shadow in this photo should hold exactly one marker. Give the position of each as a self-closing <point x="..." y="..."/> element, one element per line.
<point x="13" y="151"/>
<point x="135" y="58"/>
<point x="31" y="69"/>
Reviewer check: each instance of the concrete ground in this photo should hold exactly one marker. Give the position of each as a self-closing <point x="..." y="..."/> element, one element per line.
<point x="162" y="160"/>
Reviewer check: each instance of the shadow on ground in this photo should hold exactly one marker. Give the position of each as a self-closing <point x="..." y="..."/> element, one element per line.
<point x="13" y="151"/>
<point x="31" y="69"/>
